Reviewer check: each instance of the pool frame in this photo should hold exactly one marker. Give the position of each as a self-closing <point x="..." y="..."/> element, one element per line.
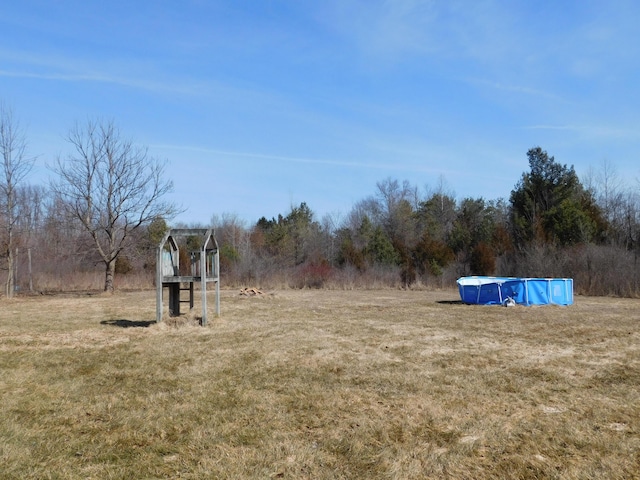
<point x="478" y="290"/>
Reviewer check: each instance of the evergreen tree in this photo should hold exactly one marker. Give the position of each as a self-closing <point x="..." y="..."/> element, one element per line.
<point x="550" y="205"/>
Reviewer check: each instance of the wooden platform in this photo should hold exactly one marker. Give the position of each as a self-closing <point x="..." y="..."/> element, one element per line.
<point x="205" y="268"/>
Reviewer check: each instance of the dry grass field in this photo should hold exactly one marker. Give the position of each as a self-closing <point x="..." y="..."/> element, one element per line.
<point x="319" y="384"/>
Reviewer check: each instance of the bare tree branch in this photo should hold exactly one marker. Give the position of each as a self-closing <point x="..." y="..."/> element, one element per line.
<point x="15" y="166"/>
<point x="112" y="186"/>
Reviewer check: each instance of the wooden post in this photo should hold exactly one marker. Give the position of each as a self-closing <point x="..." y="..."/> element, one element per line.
<point x="216" y="260"/>
<point x="159" y="285"/>
<point x="203" y="280"/>
<point x="30" y="271"/>
<point x="15" y="271"/>
<point x="174" y="299"/>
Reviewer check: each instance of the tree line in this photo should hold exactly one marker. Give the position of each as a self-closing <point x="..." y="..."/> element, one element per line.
<point x="106" y="210"/>
<point x="552" y="225"/>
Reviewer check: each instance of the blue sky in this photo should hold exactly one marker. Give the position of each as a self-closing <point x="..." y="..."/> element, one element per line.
<point x="260" y="105"/>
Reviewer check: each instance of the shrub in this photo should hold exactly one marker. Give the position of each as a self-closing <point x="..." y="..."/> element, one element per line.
<point x="123" y="265"/>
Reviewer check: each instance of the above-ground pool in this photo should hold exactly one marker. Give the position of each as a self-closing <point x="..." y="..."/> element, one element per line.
<point x="524" y="291"/>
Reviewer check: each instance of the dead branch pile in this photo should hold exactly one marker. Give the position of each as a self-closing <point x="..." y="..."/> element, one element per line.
<point x="251" y="292"/>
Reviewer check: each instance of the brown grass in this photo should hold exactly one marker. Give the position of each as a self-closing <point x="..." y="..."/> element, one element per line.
<point x="319" y="384"/>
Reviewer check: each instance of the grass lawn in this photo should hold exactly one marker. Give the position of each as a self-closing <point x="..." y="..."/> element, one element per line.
<point x="319" y="384"/>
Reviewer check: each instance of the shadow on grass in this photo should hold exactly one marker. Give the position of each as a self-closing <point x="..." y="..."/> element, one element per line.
<point x="128" y="323"/>
<point x="450" y="302"/>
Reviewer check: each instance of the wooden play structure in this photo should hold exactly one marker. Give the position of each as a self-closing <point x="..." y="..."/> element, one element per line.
<point x="204" y="268"/>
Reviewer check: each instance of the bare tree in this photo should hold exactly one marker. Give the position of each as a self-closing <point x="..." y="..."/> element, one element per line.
<point x="231" y="230"/>
<point x="398" y="203"/>
<point x="112" y="187"/>
<point x="330" y="225"/>
<point x="15" y="166"/>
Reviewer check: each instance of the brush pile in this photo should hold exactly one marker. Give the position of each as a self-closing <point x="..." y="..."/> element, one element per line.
<point x="251" y="292"/>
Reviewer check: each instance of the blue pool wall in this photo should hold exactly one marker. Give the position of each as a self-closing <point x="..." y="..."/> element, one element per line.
<point x="524" y="291"/>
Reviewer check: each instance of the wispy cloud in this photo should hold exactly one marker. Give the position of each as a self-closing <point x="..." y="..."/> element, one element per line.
<point x="550" y="127"/>
<point x="591" y="130"/>
<point x="270" y="157"/>
<point x="390" y="31"/>
<point x="68" y="68"/>
<point x="517" y="89"/>
<point x="301" y="160"/>
<point x="141" y="84"/>
<point x="448" y="164"/>
<point x="143" y="74"/>
<point x="384" y="30"/>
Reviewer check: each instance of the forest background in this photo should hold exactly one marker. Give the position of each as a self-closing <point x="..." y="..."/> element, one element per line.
<point x="554" y="224"/>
